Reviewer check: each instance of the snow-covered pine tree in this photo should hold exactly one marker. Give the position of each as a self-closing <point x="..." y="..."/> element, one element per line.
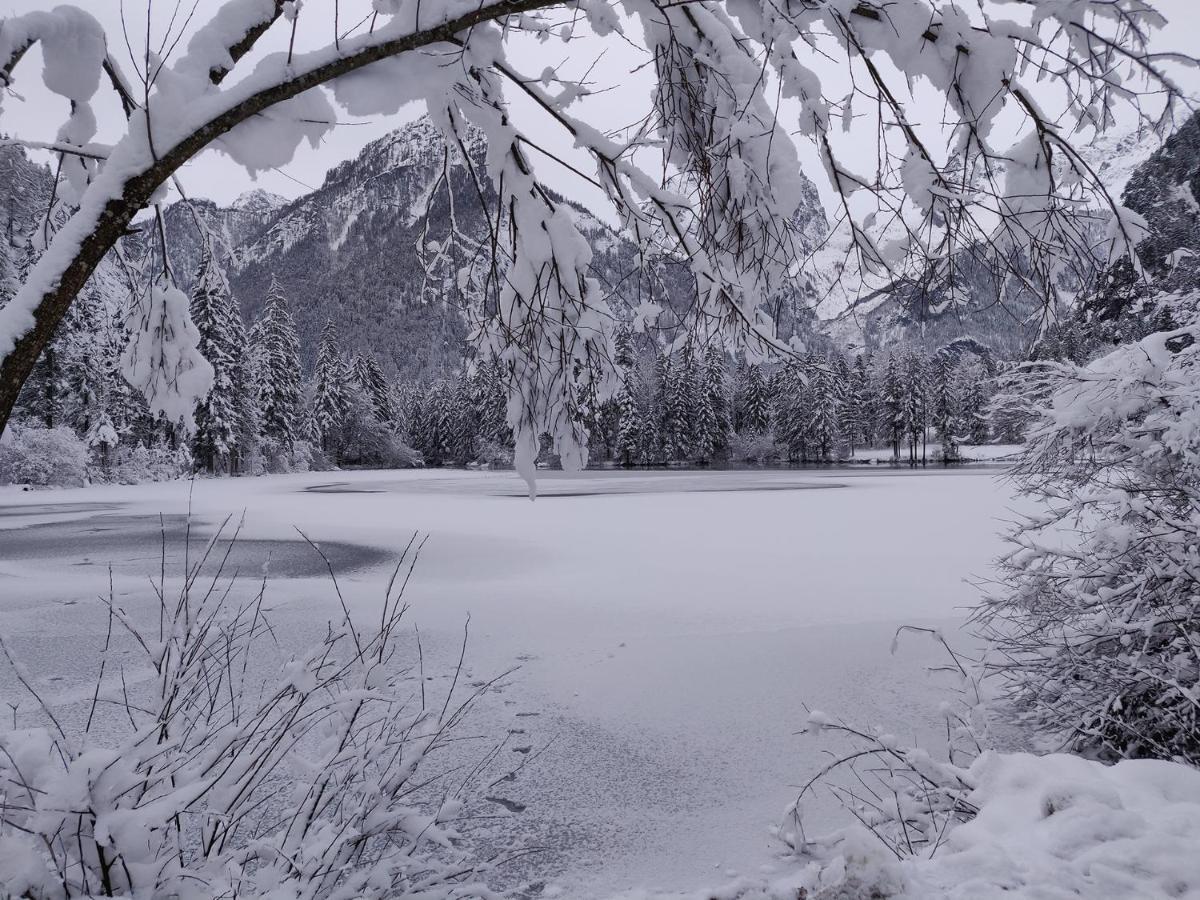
<point x="756" y="400"/>
<point x="943" y="403"/>
<point x="865" y="378"/>
<point x="329" y="391"/>
<point x="623" y="355"/>
<point x="219" y="416"/>
<point x="913" y="404"/>
<point x="674" y="430"/>
<point x="853" y="418"/>
<point x="712" y="406"/>
<point x="368" y="375"/>
<point x="793" y="402"/>
<point x="891" y="404"/>
<point x="246" y="457"/>
<point x="84" y="376"/>
<point x="629" y="422"/>
<point x="970" y="380"/>
<point x="276" y="353"/>
<point x="825" y="390"/>
<point x="493" y="400"/>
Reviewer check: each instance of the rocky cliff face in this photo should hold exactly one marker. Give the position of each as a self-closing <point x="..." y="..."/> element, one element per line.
<point x="1165" y="191"/>
<point x="350" y="251"/>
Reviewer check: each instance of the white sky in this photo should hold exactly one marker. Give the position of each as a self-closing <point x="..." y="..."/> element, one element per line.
<point x="36" y="114"/>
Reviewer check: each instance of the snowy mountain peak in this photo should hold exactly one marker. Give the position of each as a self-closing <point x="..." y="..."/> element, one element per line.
<point x="259" y="201"/>
<point x="419" y="143"/>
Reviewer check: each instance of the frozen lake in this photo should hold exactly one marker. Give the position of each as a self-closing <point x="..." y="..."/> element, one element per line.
<point x="669" y="627"/>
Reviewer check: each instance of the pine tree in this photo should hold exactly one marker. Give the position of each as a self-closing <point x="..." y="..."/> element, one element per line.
<point x="943" y="405"/>
<point x="276" y="352"/>
<point x="368" y="376"/>
<point x="245" y="452"/>
<point x="329" y="391"/>
<point x="970" y="379"/>
<point x="756" y="400"/>
<point x="623" y="357"/>
<point x="712" y="422"/>
<point x="629" y="427"/>
<point x="493" y="400"/>
<point x="676" y="416"/>
<point x="826" y="392"/>
<point x="793" y="402"/>
<point x="218" y="416"/>
<point x="913" y="386"/>
<point x="891" y="405"/>
<point x="854" y="408"/>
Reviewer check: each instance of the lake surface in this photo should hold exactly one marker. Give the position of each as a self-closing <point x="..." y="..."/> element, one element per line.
<point x="669" y="630"/>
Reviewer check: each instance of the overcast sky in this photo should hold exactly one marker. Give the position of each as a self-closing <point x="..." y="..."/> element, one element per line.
<point x="36" y="114"/>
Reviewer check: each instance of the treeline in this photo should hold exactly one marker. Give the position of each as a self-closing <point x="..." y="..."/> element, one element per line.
<point x="693" y="405"/>
<point x="697" y="405"/>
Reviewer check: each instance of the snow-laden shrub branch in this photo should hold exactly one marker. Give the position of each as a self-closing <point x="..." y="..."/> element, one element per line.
<point x="903" y="795"/>
<point x="235" y="769"/>
<point x="708" y="174"/>
<point x="1095" y="626"/>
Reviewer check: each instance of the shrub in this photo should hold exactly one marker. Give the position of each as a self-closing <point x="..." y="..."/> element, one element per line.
<point x="755" y="447"/>
<point x="1095" y="626"/>
<point x="137" y="464"/>
<point x="41" y="456"/>
<point x="240" y="772"/>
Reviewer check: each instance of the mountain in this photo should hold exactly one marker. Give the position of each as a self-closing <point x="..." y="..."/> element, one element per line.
<point x="349" y="251"/>
<point x="1165" y="191"/>
<point x="26" y="189"/>
<point x="998" y="313"/>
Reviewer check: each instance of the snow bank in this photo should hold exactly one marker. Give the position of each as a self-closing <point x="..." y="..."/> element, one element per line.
<point x="1048" y="827"/>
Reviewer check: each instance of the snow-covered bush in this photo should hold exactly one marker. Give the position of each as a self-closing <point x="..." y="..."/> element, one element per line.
<point x="240" y="768"/>
<point x="906" y="797"/>
<point x="1095" y="626"/>
<point x="43" y="456"/>
<point x="754" y="447"/>
<point x="492" y="455"/>
<point x="1046" y="827"/>
<point x="160" y="462"/>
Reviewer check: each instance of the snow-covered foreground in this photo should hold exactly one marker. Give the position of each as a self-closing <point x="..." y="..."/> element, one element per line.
<point x="669" y="628"/>
<point x="1051" y="827"/>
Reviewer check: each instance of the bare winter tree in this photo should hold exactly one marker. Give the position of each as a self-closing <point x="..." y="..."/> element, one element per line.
<point x="733" y="79"/>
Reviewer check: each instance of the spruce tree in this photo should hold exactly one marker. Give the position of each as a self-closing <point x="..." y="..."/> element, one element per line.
<point x="913" y="382"/>
<point x="218" y="416"/>
<point x="675" y="431"/>
<point x="756" y="414"/>
<point x="623" y="357"/>
<point x="368" y="376"/>
<point x="970" y="378"/>
<point x="712" y="422"/>
<point x="329" y="390"/>
<point x="276" y="353"/>
<point x="825" y="391"/>
<point x="629" y="423"/>
<point x="891" y="405"/>
<point x="792" y="409"/>
<point x="943" y="405"/>
<point x="853" y="417"/>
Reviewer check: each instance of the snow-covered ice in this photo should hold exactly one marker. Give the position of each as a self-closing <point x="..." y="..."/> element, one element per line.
<point x="670" y="628"/>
